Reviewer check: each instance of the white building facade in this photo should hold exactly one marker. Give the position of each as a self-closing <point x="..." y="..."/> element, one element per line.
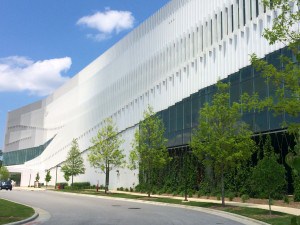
<point x="187" y="46"/>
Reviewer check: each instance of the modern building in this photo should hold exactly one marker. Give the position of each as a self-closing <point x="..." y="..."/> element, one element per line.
<point x="171" y="62"/>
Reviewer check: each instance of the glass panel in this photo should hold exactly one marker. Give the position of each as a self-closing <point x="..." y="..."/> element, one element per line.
<point x="202" y="97"/>
<point x="187" y="113"/>
<point x="195" y="109"/>
<point x="275" y="121"/>
<point x="249" y="119"/>
<point x="178" y="139"/>
<point x="186" y="136"/>
<point x="247" y="86"/>
<point x="261" y="121"/>
<point x="23" y="155"/>
<point x="234" y="87"/>
<point x="171" y="139"/>
<point x="260" y="86"/>
<point x="179" y="115"/>
<point x="165" y="118"/>
<point x="234" y="93"/>
<point x="172" y="118"/>
<point x="210" y="91"/>
<point x="274" y="59"/>
<point x="246" y="73"/>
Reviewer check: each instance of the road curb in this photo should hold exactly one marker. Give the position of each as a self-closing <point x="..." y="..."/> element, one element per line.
<point x="238" y="218"/>
<point x="33" y="217"/>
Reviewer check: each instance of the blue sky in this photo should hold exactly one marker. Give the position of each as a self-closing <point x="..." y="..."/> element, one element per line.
<point x="43" y="43"/>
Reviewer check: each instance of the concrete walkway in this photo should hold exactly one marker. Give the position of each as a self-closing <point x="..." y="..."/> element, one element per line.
<point x="288" y="210"/>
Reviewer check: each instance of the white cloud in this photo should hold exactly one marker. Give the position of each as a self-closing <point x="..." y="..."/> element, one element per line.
<point x="107" y="23"/>
<point x="19" y="73"/>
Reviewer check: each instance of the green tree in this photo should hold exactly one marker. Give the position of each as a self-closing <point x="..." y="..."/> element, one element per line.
<point x="67" y="177"/>
<point x="283" y="27"/>
<point x="1" y="158"/>
<point x="268" y="176"/>
<point x="4" y="173"/>
<point x="106" y="153"/>
<point x="149" y="151"/>
<point x="37" y="177"/>
<point x="293" y="161"/>
<point x="221" y="140"/>
<point x="293" y="157"/>
<point x="74" y="164"/>
<point x="48" y="177"/>
<point x="286" y="79"/>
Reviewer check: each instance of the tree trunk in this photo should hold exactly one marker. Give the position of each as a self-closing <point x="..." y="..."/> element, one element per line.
<point x="270" y="211"/>
<point x="106" y="176"/>
<point x="222" y="186"/>
<point x="149" y="186"/>
<point x="149" y="182"/>
<point x="72" y="181"/>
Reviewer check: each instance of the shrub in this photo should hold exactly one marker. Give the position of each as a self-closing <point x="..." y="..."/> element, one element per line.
<point x="126" y="189"/>
<point x="160" y="192"/>
<point x="138" y="188"/>
<point x="245" y="198"/>
<point x="286" y="199"/>
<point x="199" y="194"/>
<point x="231" y="196"/>
<point x="121" y="189"/>
<point x="297" y="190"/>
<point x="81" y="185"/>
<point x="190" y="193"/>
<point x="68" y="187"/>
<point x="295" y="220"/>
<point x="131" y="189"/>
<point x="163" y="190"/>
<point x="169" y="191"/>
<point x="204" y="189"/>
<point x="218" y="197"/>
<point x="62" y="185"/>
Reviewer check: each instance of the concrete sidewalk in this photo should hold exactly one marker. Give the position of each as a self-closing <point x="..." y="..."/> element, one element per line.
<point x="288" y="210"/>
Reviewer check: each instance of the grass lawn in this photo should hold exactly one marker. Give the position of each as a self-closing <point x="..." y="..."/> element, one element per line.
<point x="276" y="218"/>
<point x="12" y="212"/>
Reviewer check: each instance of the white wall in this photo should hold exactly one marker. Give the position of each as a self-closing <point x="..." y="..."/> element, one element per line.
<point x="187" y="45"/>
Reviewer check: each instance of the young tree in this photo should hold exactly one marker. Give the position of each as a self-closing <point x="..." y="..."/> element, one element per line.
<point x="48" y="177"/>
<point x="221" y="139"/>
<point x="293" y="161"/>
<point x="1" y="158"/>
<point x="106" y="153"/>
<point x="149" y="149"/>
<point x="4" y="173"/>
<point x="67" y="177"/>
<point x="268" y="176"/>
<point x="74" y="164"/>
<point x="285" y="77"/>
<point x="37" y="177"/>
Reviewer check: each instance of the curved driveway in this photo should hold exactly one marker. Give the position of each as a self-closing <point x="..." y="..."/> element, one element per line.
<point x="77" y="209"/>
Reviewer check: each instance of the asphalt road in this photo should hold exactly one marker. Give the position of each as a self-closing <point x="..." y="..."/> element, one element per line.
<point x="74" y="209"/>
